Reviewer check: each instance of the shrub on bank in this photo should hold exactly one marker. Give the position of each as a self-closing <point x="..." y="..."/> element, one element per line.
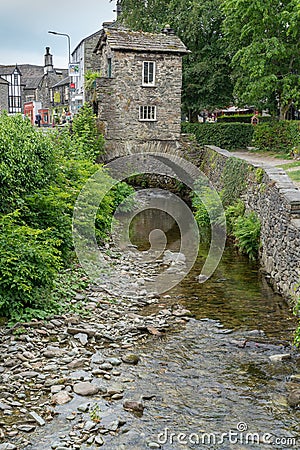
<point x="39" y="186"/>
<point x="29" y="263"/>
<point x="27" y="161"/>
<point x="230" y="136"/>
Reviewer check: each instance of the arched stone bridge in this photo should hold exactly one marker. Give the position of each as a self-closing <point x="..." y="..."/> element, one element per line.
<point x="273" y="197"/>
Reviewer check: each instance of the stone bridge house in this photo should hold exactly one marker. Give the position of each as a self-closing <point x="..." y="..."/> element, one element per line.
<point x="138" y="96"/>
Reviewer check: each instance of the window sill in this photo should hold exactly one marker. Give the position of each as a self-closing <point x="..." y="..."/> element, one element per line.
<point x="148" y="120"/>
<point x="148" y="85"/>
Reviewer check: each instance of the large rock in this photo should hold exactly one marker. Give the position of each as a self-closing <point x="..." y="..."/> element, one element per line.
<point x="293" y="399"/>
<point x="280" y="357"/>
<point x="7" y="446"/>
<point x="130" y="358"/>
<point x="61" y="398"/>
<point x="86" y="388"/>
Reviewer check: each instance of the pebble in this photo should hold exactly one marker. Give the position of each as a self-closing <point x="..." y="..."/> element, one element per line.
<point x="153" y="445"/>
<point x="37" y="418"/>
<point x="133" y="406"/>
<point x="99" y="441"/>
<point x="26" y="428"/>
<point x="293" y="399"/>
<point x="56" y="388"/>
<point x="77" y="363"/>
<point x="280" y="357"/>
<point x="82" y="337"/>
<point x="84" y="408"/>
<point x="130" y="358"/>
<point x="295" y="378"/>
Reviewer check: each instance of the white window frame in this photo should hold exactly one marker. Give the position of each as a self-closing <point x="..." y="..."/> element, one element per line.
<point x="147" y="113"/>
<point x="146" y="79"/>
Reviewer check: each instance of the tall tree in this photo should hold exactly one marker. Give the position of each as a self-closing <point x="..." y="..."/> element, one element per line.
<point x="206" y="70"/>
<point x="264" y="38"/>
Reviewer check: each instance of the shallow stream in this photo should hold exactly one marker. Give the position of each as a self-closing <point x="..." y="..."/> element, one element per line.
<point x="210" y="383"/>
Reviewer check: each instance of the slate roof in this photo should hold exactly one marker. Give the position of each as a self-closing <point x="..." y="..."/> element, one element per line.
<point x="139" y="41"/>
<point x="62" y="82"/>
<point x="97" y="33"/>
<point x="8" y="69"/>
<point x="3" y="81"/>
<point x="32" y="75"/>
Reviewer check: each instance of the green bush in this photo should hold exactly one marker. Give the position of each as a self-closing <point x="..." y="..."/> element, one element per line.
<point x="232" y="213"/>
<point x="27" y="161"/>
<point x="280" y="136"/>
<point x="87" y="141"/>
<point x="208" y="207"/>
<point x="29" y="263"/>
<point x="229" y="136"/>
<point x="39" y="186"/>
<point x="246" y="230"/>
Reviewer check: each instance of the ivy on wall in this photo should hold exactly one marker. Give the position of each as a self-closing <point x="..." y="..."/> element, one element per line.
<point x="234" y="180"/>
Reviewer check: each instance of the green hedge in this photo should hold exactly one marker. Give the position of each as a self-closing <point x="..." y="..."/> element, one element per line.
<point x="29" y="263"/>
<point x="230" y="136"/>
<point x="280" y="136"/>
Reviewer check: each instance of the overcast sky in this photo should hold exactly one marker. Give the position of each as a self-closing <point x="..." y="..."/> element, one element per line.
<point x="24" y="26"/>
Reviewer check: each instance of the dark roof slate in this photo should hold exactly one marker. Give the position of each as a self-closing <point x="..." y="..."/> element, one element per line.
<point x="139" y="41"/>
<point x="8" y="69"/>
<point x="63" y="82"/>
<point x="91" y="36"/>
<point x="32" y="75"/>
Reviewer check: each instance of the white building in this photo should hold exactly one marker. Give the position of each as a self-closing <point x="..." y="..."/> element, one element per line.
<point x="86" y="60"/>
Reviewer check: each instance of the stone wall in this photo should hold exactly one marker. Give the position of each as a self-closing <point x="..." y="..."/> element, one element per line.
<point x="3" y="95"/>
<point x="91" y="60"/>
<point x="276" y="200"/>
<point x="121" y="96"/>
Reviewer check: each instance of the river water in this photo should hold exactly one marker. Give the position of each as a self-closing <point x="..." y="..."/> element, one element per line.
<point x="215" y="375"/>
<point x="210" y="382"/>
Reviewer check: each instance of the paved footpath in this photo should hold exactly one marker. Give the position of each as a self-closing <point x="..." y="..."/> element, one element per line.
<point x="265" y="160"/>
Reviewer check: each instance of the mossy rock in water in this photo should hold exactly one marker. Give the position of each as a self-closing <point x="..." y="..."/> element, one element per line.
<point x="130" y="358"/>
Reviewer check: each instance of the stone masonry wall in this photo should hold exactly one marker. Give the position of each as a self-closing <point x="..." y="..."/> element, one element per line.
<point x="91" y="60"/>
<point x="3" y="96"/>
<point x="276" y="200"/>
<point x="121" y="96"/>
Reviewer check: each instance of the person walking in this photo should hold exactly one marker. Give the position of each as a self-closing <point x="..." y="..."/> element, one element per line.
<point x="38" y="119"/>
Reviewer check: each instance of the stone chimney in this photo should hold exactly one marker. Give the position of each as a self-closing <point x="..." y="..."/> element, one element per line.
<point x="118" y="9"/>
<point x="48" y="66"/>
<point x="168" y="30"/>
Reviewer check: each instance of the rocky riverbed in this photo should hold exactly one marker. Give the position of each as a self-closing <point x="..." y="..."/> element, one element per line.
<point x="75" y="367"/>
<point x="137" y="367"/>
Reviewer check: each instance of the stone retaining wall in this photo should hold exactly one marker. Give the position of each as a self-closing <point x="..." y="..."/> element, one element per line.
<point x="276" y="201"/>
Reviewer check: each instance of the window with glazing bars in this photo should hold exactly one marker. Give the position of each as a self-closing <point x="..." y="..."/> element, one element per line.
<point x="148" y="113"/>
<point x="148" y="73"/>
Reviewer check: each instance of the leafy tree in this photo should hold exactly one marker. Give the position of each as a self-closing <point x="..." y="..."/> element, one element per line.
<point x="264" y="38"/>
<point x="27" y="160"/>
<point x="87" y="141"/>
<point x="206" y="70"/>
<point x="41" y="176"/>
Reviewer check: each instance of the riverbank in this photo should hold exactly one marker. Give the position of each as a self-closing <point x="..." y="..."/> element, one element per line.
<point x="135" y="366"/>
